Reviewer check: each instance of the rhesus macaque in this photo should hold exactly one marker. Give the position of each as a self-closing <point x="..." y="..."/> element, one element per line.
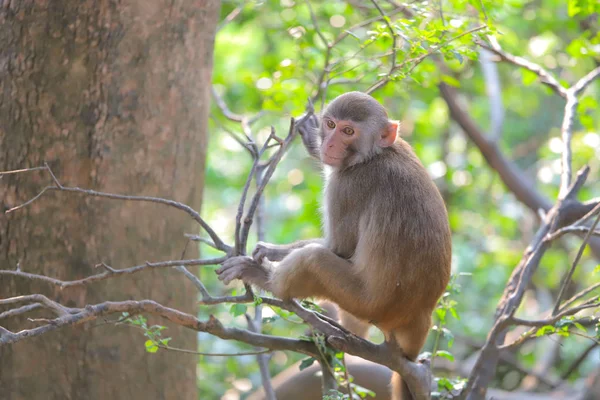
<point x="385" y="256"/>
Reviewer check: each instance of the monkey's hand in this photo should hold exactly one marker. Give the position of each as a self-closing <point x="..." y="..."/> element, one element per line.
<point x="247" y="270"/>
<point x="269" y="251"/>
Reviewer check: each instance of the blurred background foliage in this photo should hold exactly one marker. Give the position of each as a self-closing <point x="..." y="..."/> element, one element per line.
<point x="269" y="59"/>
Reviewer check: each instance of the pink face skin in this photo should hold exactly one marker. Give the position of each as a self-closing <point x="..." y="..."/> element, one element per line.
<point x="339" y="134"/>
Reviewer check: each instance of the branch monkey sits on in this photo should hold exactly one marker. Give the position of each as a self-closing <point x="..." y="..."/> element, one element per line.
<point x="385" y="256"/>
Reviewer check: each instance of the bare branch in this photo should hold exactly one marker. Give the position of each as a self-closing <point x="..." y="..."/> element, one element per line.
<point x="230" y="17"/>
<point x="567" y="279"/>
<point x="272" y="164"/>
<point x="180" y="206"/>
<point x="567" y="135"/>
<point x="20" y="310"/>
<point x="198" y="238"/>
<point x="529" y="335"/>
<point x="580" y="86"/>
<point x="557" y="317"/>
<point x="110" y="274"/>
<point x="212" y="326"/>
<point x="545" y="77"/>
<point x="580" y="295"/>
<point x="392" y="32"/>
<point x="42" y="301"/>
<point x="19" y="171"/>
<point x="199" y="353"/>
<point x="230" y="115"/>
<point x="575" y="365"/>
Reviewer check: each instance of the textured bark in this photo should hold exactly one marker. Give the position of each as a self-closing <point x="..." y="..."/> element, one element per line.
<point x="115" y="96"/>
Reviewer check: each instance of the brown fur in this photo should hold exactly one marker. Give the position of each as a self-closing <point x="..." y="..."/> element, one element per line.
<point x="386" y="254"/>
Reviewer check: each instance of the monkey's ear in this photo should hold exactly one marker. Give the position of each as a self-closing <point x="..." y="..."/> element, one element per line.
<point x="389" y="136"/>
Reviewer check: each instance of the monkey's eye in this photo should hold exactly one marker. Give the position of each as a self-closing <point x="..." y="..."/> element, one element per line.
<point x="330" y="124"/>
<point x="348" y="131"/>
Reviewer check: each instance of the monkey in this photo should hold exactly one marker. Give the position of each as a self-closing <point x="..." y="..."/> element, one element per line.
<point x="385" y="256"/>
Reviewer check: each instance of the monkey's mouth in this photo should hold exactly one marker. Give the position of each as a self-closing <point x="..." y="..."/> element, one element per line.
<point x="332" y="161"/>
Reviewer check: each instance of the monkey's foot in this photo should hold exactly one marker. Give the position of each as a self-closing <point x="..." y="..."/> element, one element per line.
<point x="245" y="269"/>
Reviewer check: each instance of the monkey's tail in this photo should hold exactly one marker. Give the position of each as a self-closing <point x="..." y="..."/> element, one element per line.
<point x="400" y="390"/>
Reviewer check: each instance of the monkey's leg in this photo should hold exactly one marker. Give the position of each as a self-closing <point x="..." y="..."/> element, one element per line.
<point x="411" y="340"/>
<point x="314" y="270"/>
<point x="277" y="252"/>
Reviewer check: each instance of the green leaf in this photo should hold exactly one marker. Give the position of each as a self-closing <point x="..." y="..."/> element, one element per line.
<point x="445" y="354"/>
<point x="573" y="8"/>
<point x="450" y="80"/>
<point x="597" y="269"/>
<point x="238" y="309"/>
<point x="454" y="313"/>
<point x="545" y="330"/>
<point x="151" y="347"/>
<point x="307" y="362"/>
<point x="444" y="384"/>
<point x="528" y="77"/>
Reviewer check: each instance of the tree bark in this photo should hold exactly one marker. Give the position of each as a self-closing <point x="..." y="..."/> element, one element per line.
<point x="115" y="96"/>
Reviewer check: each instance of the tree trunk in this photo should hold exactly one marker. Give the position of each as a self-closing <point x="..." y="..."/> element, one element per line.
<point x="115" y="96"/>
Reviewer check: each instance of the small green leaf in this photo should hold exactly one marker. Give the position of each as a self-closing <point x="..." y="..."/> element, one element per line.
<point x="445" y="354"/>
<point x="238" y="309"/>
<point x="454" y="313"/>
<point x="151" y="347"/>
<point x="444" y="384"/>
<point x="597" y="269"/>
<point x="307" y="362"/>
<point x="450" y="80"/>
<point x="528" y="77"/>
<point x="545" y="330"/>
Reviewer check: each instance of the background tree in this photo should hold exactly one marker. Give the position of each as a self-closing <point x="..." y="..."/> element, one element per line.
<point x="113" y="96"/>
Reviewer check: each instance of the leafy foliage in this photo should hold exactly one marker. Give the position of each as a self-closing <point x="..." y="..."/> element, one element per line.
<point x="270" y="59"/>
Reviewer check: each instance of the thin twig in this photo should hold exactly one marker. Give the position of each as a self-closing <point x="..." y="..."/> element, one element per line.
<point x="230" y="17"/>
<point x="592" y="303"/>
<point x="42" y="300"/>
<point x="581" y="84"/>
<point x="575" y="365"/>
<point x="20" y="310"/>
<point x="272" y="164"/>
<point x="579" y="296"/>
<point x="19" y="171"/>
<point x="567" y="279"/>
<point x="212" y="326"/>
<point x="567" y="152"/>
<point x="545" y="77"/>
<point x="392" y="32"/>
<point x="112" y="274"/>
<point x="199" y="353"/>
<point x="180" y="206"/>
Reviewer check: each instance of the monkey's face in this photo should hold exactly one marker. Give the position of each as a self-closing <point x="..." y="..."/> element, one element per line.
<point x="339" y="140"/>
<point x="354" y="128"/>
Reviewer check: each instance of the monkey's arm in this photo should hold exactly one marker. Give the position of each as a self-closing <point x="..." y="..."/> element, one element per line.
<point x="277" y="252"/>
